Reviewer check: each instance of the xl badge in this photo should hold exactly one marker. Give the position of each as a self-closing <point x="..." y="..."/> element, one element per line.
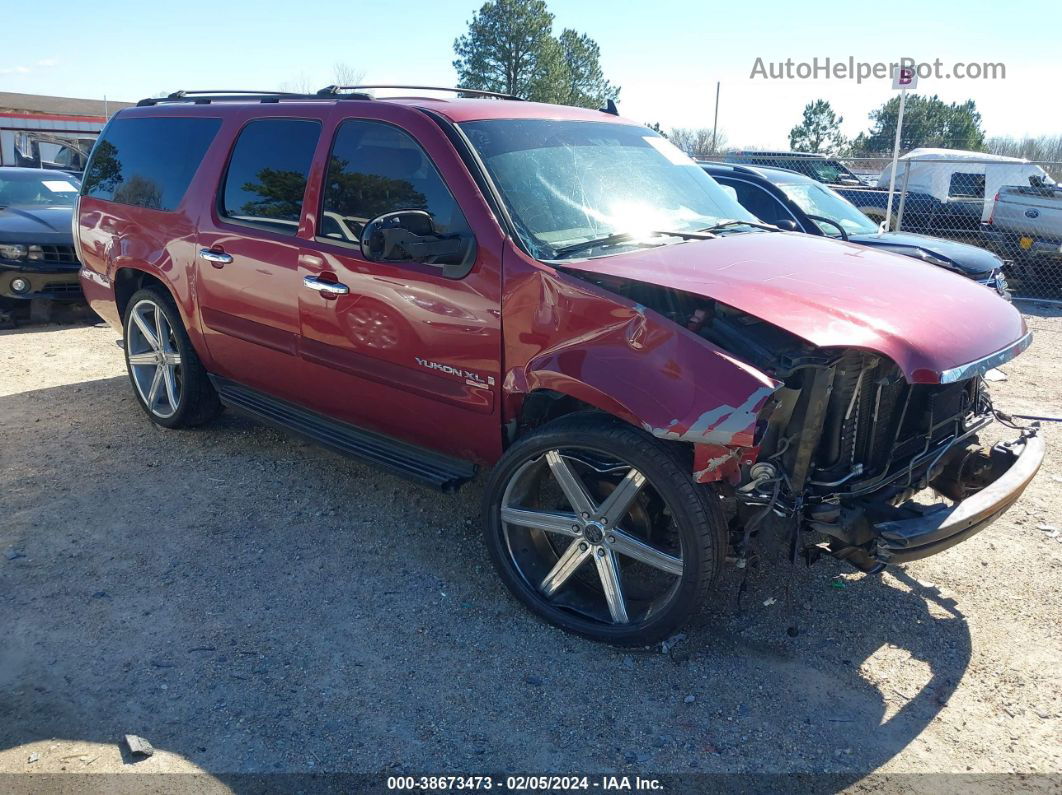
<point x="471" y="378"/>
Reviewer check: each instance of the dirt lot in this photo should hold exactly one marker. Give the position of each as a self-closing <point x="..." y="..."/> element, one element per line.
<point x="251" y="603"/>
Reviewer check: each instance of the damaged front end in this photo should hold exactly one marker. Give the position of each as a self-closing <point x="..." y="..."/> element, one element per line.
<point x="854" y="456"/>
<point x="856" y="447"/>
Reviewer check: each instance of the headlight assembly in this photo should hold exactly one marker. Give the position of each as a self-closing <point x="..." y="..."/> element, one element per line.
<point x="13" y="250"/>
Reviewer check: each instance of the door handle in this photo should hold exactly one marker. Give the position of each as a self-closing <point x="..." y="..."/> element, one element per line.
<point x="329" y="288"/>
<point x="216" y="257"/>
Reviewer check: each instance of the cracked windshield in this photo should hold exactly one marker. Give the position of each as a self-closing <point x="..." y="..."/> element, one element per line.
<point x="579" y="189"/>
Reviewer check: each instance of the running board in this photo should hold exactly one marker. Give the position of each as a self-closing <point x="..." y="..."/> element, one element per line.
<point x="399" y="458"/>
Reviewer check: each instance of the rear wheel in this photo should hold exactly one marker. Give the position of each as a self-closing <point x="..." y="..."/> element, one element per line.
<point x="599" y="528"/>
<point x="169" y="381"/>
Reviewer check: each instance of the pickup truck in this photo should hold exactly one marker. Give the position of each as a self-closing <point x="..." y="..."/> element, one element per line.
<point x="1026" y="222"/>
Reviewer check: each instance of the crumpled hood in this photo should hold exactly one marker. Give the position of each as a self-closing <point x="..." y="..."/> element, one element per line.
<point x="49" y="225"/>
<point x="973" y="261"/>
<point x="834" y="294"/>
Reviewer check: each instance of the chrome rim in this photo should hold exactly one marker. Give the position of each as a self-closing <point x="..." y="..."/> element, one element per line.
<point x="592" y="536"/>
<point x="154" y="361"/>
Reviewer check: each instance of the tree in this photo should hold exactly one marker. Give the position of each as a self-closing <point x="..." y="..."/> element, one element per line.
<point x="582" y="83"/>
<point x="927" y="121"/>
<point x="347" y="75"/>
<point x="697" y="142"/>
<point x="301" y="83"/>
<point x="819" y="130"/>
<point x="655" y="127"/>
<point x="509" y="47"/>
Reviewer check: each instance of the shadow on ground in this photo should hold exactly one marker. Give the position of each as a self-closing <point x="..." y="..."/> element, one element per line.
<point x="257" y="605"/>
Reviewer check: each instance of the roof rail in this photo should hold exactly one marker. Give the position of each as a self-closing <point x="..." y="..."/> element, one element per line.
<point x="472" y="92"/>
<point x="207" y="96"/>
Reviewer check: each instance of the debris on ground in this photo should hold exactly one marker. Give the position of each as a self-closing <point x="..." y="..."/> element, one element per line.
<point x="995" y="375"/>
<point x="770" y="600"/>
<point x="14" y="554"/>
<point x="33" y="758"/>
<point x="689" y="699"/>
<point x="838" y="583"/>
<point x="138" y="745"/>
<point x="667" y="645"/>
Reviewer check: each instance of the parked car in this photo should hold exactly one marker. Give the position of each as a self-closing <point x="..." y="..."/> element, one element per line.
<point x="798" y="203"/>
<point x="650" y="371"/>
<point x="821" y="168"/>
<point x="36" y="240"/>
<point x="922" y="211"/>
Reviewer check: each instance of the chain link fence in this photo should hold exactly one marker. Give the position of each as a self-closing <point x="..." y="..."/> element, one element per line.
<point x="1010" y="207"/>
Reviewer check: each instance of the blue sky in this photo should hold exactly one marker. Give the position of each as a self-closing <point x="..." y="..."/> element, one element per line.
<point x="666" y="54"/>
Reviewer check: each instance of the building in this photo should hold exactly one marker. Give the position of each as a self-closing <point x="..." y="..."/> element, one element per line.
<point x="50" y="132"/>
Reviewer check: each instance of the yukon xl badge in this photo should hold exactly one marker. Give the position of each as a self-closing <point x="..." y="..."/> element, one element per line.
<point x="471" y="378"/>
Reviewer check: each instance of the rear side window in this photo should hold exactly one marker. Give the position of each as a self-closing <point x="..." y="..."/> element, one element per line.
<point x="148" y="162"/>
<point x="967" y="186"/>
<point x="375" y="168"/>
<point x="266" y="177"/>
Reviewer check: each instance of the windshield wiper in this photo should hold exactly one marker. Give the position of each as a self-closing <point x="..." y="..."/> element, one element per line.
<point x="725" y="224"/>
<point x="629" y="237"/>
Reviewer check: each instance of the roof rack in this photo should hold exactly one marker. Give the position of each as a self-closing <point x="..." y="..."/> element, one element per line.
<point x="207" y="96"/>
<point x="472" y="92"/>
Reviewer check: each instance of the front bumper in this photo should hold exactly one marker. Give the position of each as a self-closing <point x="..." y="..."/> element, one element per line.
<point x="904" y="540"/>
<point x="1018" y="244"/>
<point x="59" y="283"/>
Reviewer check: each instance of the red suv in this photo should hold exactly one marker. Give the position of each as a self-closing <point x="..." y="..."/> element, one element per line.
<point x="655" y="377"/>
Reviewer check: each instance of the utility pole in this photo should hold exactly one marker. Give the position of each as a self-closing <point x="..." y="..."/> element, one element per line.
<point x="906" y="77"/>
<point x="715" y="124"/>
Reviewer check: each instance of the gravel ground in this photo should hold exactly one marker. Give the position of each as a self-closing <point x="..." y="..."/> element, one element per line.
<point x="251" y="603"/>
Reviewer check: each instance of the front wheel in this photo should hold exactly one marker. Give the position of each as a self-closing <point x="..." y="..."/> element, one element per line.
<point x="599" y="528"/>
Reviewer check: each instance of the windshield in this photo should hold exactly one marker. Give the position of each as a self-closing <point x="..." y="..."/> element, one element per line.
<point x="48" y="189"/>
<point x="815" y="199"/>
<point x="571" y="182"/>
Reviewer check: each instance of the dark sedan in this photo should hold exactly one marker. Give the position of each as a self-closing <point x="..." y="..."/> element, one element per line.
<point x="799" y="203"/>
<point x="37" y="258"/>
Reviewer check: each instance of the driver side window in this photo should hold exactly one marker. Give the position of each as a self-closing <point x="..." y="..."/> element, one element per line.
<point x="376" y="168"/>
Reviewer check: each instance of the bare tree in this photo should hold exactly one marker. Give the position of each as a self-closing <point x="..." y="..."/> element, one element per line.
<point x="697" y="142"/>
<point x="1044" y="147"/>
<point x="347" y="75"/>
<point x="300" y="84"/>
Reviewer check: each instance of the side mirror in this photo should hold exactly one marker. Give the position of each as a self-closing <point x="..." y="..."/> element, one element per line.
<point x="411" y="236"/>
<point x="787" y="225"/>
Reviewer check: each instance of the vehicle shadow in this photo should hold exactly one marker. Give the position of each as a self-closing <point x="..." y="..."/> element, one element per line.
<point x="1038" y="308"/>
<point x="255" y="605"/>
<point x="16" y="316"/>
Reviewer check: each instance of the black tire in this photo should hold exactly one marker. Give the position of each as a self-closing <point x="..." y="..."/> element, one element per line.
<point x="690" y="523"/>
<point x="197" y="402"/>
